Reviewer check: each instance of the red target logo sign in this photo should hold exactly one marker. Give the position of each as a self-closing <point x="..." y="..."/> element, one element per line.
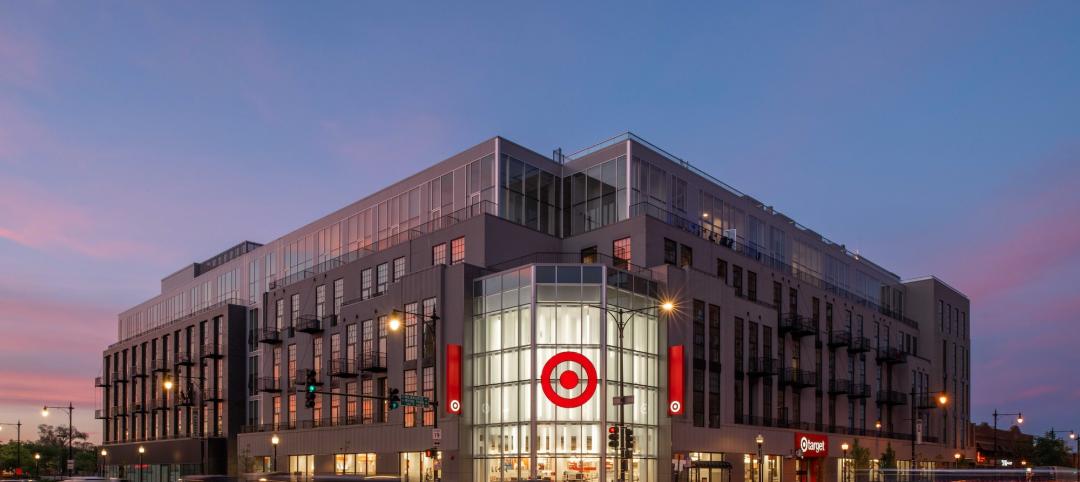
<point x="569" y="379"/>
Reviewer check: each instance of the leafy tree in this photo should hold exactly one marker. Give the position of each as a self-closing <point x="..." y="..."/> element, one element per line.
<point x="1049" y="450"/>
<point x="861" y="456"/>
<point x="888" y="458"/>
<point x="57" y="436"/>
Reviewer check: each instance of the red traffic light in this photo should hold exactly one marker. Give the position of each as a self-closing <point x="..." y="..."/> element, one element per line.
<point x="612" y="429"/>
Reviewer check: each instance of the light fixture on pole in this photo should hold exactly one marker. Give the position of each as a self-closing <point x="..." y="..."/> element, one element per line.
<point x="37" y="462"/>
<point x="1019" y="420"/>
<point x="71" y="432"/>
<point x="142" y="450"/>
<point x="273" y="462"/>
<point x="104" y="461"/>
<point x="760" y="439"/>
<point x="843" y="462"/>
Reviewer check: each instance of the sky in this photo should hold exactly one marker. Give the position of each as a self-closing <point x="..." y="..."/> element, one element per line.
<point x="933" y="137"/>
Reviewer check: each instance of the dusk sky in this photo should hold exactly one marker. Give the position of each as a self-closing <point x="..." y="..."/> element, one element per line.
<point x="933" y="137"/>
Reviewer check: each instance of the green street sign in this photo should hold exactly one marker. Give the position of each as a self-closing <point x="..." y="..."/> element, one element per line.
<point x="415" y="400"/>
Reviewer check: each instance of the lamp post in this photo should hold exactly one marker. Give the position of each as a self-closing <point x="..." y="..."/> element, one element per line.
<point x="761" y="459"/>
<point x="1019" y="420"/>
<point x="37" y="464"/>
<point x="273" y="462"/>
<point x="18" y="442"/>
<point x="843" y="462"/>
<point x="395" y="324"/>
<point x="71" y="431"/>
<point x="957" y="457"/>
<point x="142" y="450"/>
<point x="941" y="398"/>
<point x="192" y="382"/>
<point x="1076" y="453"/>
<point x="104" y="461"/>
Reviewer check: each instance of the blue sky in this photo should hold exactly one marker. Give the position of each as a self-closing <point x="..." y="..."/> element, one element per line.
<point x="934" y="137"/>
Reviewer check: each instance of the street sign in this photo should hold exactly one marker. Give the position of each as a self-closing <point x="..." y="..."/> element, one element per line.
<point x="918" y="431"/>
<point x="436" y="436"/>
<point x="71" y="464"/>
<point x="415" y="400"/>
<point x="627" y="400"/>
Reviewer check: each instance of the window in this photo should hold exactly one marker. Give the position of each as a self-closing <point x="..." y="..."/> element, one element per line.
<point x="277" y="410"/>
<point x="686" y="256"/>
<point x="399" y="269"/>
<point x="382" y="278"/>
<point x="279" y="314"/>
<point x="410" y="388"/>
<point x="751" y="285"/>
<point x="699" y="369"/>
<point x="671" y="249"/>
<point x="721" y="270"/>
<point x="358" y="464"/>
<point x="736" y="279"/>
<point x="588" y="255"/>
<point x="292" y="410"/>
<point x="429" y="392"/>
<point x="438" y="254"/>
<point x="365" y="284"/>
<point x="411" y="333"/>
<point x="621" y="250"/>
<point x="295" y="305"/>
<point x="320" y="301"/>
<point x="339" y="295"/>
<point x="457" y="250"/>
<point x="291" y="372"/>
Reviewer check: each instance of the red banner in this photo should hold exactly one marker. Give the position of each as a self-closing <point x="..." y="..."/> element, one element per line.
<point x="676" y="380"/>
<point x="812" y="444"/>
<point x="453" y="379"/>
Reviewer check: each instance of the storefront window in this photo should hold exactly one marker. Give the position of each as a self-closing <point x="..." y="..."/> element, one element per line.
<point x="564" y="334"/>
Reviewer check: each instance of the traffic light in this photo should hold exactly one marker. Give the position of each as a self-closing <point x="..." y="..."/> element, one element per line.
<point x="613" y="437"/>
<point x="628" y="442"/>
<point x="310" y="387"/>
<point x="431" y="453"/>
<point x="395" y="400"/>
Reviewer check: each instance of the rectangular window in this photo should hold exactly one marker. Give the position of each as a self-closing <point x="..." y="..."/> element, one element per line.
<point x="320" y="301"/>
<point x="410" y="388"/>
<point x="588" y="255"/>
<point x="279" y="314"/>
<point x="737" y="280"/>
<point x="721" y="270"/>
<point x="457" y="250"/>
<point x="751" y="285"/>
<point x="277" y="411"/>
<point x="292" y="410"/>
<point x="295" y="306"/>
<point x="429" y="392"/>
<point x="699" y="365"/>
<point x="339" y="295"/>
<point x="382" y="278"/>
<point x="411" y="333"/>
<point x="366" y="281"/>
<point x="438" y="254"/>
<point x="621" y="252"/>
<point x="292" y="364"/>
<point x="671" y="251"/>
<point x="399" y="269"/>
<point x="686" y="256"/>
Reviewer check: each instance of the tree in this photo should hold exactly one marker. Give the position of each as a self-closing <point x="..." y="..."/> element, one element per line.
<point x="57" y="436"/>
<point x="888" y="458"/>
<point x="1049" y="451"/>
<point x="861" y="456"/>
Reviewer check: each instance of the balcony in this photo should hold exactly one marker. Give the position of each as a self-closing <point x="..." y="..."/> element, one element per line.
<point x="797" y="325"/>
<point x="138" y="408"/>
<point x="891" y="397"/>
<point x="891" y="355"/>
<point x="136" y="371"/>
<point x="101" y="414"/>
<point x="158" y="404"/>
<point x="925" y="401"/>
<point x="798" y="378"/>
<point x="373" y="362"/>
<point x="839" y="386"/>
<point x="763" y="367"/>
<point x="310" y="325"/>
<point x="329" y="320"/>
<point x="859" y="344"/>
<point x="161" y="365"/>
<point x="183" y="358"/>
<point x="859" y="390"/>
<point x="101" y="382"/>
<point x="212" y="395"/>
<point x="267" y="385"/>
<point x="211" y="350"/>
<point x="343" y="368"/>
<point x="184" y="399"/>
<point x="119" y="377"/>
<point x="269" y="336"/>
<point x="118" y="411"/>
<point x="839" y="338"/>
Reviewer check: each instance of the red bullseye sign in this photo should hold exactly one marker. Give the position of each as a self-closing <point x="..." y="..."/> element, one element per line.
<point x="569" y="379"/>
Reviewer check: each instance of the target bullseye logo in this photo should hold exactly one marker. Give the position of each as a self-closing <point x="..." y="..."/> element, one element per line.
<point x="569" y="379"/>
<point x="455" y="406"/>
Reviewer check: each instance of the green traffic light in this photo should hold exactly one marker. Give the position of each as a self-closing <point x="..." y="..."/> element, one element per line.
<point x="311" y="388"/>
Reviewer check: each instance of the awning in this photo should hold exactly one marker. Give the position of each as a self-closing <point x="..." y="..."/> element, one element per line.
<point x="710" y="464"/>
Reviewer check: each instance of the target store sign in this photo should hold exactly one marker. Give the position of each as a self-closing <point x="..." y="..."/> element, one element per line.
<point x="812" y="444"/>
<point x="569" y="379"/>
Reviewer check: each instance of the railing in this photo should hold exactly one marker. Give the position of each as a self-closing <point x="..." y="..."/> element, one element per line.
<point x="136" y="371"/>
<point x="101" y="414"/>
<point x="763" y="366"/>
<point x="891" y="397"/>
<point x="373" y="362"/>
<point x="101" y="382"/>
<point x="555" y="257"/>
<point x="442" y="222"/>
<point x="838" y="338"/>
<point x="267" y="384"/>
<point x="161" y="365"/>
<point x="798" y="378"/>
<point x="269" y="336"/>
<point x="798" y="325"/>
<point x="118" y="410"/>
<point x="891" y="355"/>
<point x="138" y="408"/>
<point x="760" y="254"/>
<point x="343" y="368"/>
<point x="212" y="395"/>
<point x="211" y="350"/>
<point x="859" y="344"/>
<point x="183" y="358"/>
<point x="187" y="314"/>
<point x="158" y="404"/>
<point x="309" y="324"/>
<point x="839" y="386"/>
<point x="119" y="376"/>
<point x="859" y="390"/>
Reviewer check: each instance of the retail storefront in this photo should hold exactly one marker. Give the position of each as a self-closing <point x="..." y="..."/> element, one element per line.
<point x="544" y="364"/>
<point x="811" y="450"/>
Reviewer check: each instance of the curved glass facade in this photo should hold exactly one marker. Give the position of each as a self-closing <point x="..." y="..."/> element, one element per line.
<point x="556" y="325"/>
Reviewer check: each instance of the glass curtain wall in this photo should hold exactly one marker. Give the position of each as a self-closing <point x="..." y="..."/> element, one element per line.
<point x="519" y="432"/>
<point x="595" y="197"/>
<point x="530" y="195"/>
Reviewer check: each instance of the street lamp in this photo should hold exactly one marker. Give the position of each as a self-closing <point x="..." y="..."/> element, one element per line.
<point x="104" y="460"/>
<point x="942" y="399"/>
<point x="71" y="431"/>
<point x="273" y="462"/>
<point x="142" y="450"/>
<point x="843" y="462"/>
<point x="760" y="439"/>
<point x="957" y="457"/>
<point x="394" y="325"/>
<point x="37" y="462"/>
<point x="192" y="382"/>
<point x="18" y="442"/>
<point x="1019" y="420"/>
<point x="1076" y="453"/>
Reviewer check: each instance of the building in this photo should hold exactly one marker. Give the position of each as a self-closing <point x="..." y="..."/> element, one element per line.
<point x="470" y="282"/>
<point x="1013" y="446"/>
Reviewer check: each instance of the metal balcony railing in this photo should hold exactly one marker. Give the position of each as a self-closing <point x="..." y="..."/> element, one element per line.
<point x="763" y="366"/>
<point x="267" y="384"/>
<point x="797" y="325"/>
<point x="891" y="355"/>
<point x="269" y="336"/>
<point x="138" y="408"/>
<point x="158" y="404"/>
<point x="162" y="365"/>
<point x="839" y="338"/>
<point x="859" y="344"/>
<point x="798" y="378"/>
<point x="119" y="376"/>
<point x="183" y="358"/>
<point x="859" y="390"/>
<point x="343" y="368"/>
<point x="211" y="350"/>
<point x="309" y="324"/>
<point x="137" y="371"/>
<point x="839" y="386"/>
<point x="212" y="395"/>
<point x="373" y="362"/>
<point x="891" y="397"/>
<point x="101" y="414"/>
<point x="101" y="382"/>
